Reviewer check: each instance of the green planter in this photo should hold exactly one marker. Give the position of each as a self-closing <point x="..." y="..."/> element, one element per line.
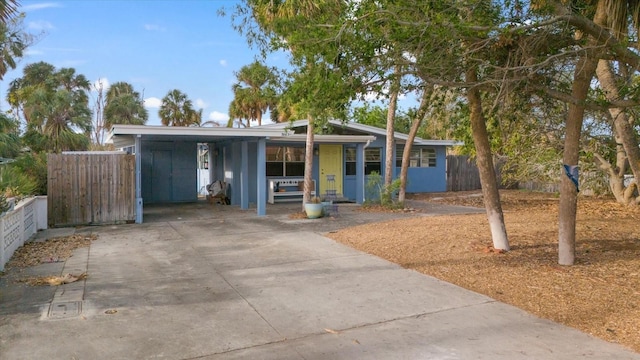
<point x="313" y="210"/>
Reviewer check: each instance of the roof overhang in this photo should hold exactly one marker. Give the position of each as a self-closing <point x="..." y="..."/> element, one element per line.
<point x="399" y="137"/>
<point x="124" y="135"/>
<point x="342" y="139"/>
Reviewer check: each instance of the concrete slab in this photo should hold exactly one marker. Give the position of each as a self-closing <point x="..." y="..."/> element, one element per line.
<point x="46" y="234"/>
<point x="484" y="331"/>
<point x="245" y="288"/>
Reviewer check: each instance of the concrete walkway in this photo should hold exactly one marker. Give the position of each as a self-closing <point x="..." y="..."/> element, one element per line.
<point x="241" y="287"/>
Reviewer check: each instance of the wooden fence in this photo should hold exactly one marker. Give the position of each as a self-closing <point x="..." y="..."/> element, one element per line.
<point x="90" y="188"/>
<point x="462" y="173"/>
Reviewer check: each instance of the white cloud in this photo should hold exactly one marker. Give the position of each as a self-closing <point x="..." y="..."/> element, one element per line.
<point x="101" y="83"/>
<point x="39" y="6"/>
<point x="218" y="116"/>
<point x="152" y="102"/>
<point x="40" y="25"/>
<point x="153" y="27"/>
<point x="223" y="62"/>
<point x="32" y="52"/>
<point x="201" y="104"/>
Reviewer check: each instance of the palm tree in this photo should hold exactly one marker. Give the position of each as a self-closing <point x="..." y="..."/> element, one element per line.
<point x="8" y="10"/>
<point x="239" y="109"/>
<point x="13" y="42"/>
<point x="177" y="109"/>
<point x="55" y="106"/>
<point x="254" y="93"/>
<point x="9" y="137"/>
<point x="124" y="106"/>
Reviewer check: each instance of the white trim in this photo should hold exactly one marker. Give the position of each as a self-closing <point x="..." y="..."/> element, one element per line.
<point x="325" y="138"/>
<point x="190" y="131"/>
<point x="366" y="129"/>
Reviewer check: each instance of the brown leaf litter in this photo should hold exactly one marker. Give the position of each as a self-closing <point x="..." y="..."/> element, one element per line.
<point x="599" y="295"/>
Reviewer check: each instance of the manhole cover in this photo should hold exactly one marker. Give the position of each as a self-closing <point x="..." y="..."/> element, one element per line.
<point x="62" y="310"/>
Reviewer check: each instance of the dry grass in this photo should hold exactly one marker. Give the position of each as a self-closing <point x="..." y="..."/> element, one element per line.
<point x="52" y="250"/>
<point x="599" y="295"/>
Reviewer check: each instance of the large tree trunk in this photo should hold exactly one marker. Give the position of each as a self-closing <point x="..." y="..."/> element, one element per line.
<point x="389" y="163"/>
<point x="584" y="71"/>
<point x="308" y="163"/>
<point x="406" y="153"/>
<point x="485" y="166"/>
<point x="623" y="129"/>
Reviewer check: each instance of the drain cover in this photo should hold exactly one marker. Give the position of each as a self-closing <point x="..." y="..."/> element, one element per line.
<point x="62" y="310"/>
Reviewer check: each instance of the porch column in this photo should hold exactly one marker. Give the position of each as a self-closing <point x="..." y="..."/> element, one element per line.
<point x="261" y="169"/>
<point x="138" y="155"/>
<point x="360" y="173"/>
<point x="244" y="175"/>
<point x="212" y="162"/>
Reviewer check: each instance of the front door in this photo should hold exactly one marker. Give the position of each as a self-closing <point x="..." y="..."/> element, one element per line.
<point x="330" y="164"/>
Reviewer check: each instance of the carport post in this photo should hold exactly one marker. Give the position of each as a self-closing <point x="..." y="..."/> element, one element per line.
<point x="360" y="173"/>
<point x="261" y="169"/>
<point x="138" y="179"/>
<point x="244" y="176"/>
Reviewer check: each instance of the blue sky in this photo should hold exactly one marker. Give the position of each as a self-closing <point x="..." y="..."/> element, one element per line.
<point x="156" y="45"/>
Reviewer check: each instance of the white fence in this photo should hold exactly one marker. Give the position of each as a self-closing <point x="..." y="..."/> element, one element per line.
<point x="19" y="224"/>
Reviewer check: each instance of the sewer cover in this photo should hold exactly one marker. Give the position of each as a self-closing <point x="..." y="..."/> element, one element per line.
<point x="62" y="310"/>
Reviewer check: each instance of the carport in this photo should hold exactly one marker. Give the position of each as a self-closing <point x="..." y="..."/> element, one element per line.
<point x="166" y="161"/>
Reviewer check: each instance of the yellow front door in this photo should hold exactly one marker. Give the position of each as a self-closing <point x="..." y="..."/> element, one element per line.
<point x="331" y="164"/>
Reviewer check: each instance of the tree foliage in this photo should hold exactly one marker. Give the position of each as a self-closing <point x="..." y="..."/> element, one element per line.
<point x="54" y="106"/>
<point x="124" y="105"/>
<point x="177" y="110"/>
<point x="253" y="94"/>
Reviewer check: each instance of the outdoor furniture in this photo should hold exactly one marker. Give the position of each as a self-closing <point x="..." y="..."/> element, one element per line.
<point x="284" y="189"/>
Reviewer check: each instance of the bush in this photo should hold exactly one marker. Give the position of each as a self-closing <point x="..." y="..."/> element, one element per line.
<point x="378" y="193"/>
<point x="25" y="176"/>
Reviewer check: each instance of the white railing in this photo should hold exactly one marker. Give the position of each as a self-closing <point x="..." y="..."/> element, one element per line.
<point x="19" y="224"/>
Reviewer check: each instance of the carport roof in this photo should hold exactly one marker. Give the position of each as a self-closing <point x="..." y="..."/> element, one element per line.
<point x="124" y="135"/>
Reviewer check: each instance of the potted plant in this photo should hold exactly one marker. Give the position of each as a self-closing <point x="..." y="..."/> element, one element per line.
<point x="313" y="208"/>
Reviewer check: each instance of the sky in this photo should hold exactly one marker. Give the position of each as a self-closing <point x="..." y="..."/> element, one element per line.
<point x="155" y="45"/>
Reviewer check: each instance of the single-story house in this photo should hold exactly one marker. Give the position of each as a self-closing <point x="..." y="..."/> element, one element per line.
<point x="266" y="163"/>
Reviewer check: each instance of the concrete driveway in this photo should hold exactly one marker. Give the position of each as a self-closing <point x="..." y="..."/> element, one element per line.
<point x="233" y="286"/>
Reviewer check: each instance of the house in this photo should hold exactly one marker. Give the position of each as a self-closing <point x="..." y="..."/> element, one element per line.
<point x="259" y="160"/>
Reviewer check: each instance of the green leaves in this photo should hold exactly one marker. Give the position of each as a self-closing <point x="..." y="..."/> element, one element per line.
<point x="54" y="105"/>
<point x="177" y="110"/>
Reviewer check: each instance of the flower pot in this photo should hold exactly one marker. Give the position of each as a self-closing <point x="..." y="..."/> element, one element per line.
<point x="313" y="210"/>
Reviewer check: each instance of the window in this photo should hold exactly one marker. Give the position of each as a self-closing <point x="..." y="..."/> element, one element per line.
<point x="372" y="160"/>
<point x="285" y="161"/>
<point x="350" y="161"/>
<point x="420" y="157"/>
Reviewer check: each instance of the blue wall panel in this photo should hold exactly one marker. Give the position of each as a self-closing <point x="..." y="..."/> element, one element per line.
<point x="169" y="171"/>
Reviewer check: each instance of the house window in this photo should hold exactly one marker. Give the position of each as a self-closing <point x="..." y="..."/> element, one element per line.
<point x="285" y="161"/>
<point x="421" y="157"/>
<point x="372" y="160"/>
<point x="350" y="161"/>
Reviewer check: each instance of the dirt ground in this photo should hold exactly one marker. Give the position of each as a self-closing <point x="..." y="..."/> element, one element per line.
<point x="600" y="295"/>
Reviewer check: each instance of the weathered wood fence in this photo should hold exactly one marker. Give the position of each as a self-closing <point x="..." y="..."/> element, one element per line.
<point x="462" y="173"/>
<point x="90" y="188"/>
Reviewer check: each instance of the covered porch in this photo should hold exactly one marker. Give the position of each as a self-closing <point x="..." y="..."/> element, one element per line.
<point x="166" y="161"/>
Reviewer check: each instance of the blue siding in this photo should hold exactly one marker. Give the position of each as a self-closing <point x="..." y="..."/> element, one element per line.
<point x="428" y="179"/>
<point x="180" y="166"/>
